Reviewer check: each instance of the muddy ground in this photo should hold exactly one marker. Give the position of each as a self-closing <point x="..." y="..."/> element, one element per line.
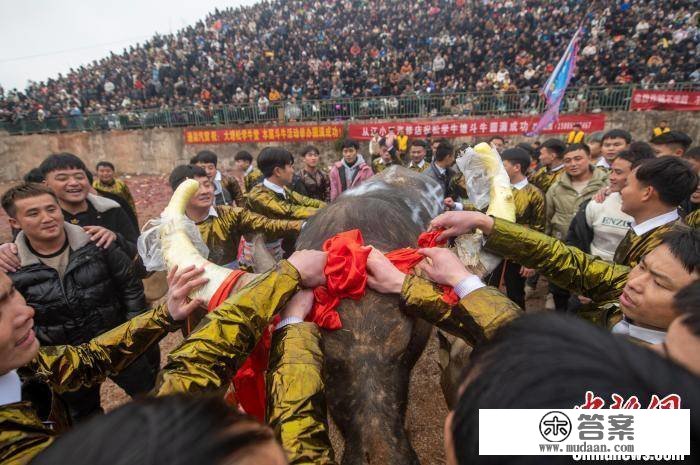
<point x="426" y="408"/>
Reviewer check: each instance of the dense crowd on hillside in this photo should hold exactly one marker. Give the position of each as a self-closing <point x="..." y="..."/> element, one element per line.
<point x="300" y="50"/>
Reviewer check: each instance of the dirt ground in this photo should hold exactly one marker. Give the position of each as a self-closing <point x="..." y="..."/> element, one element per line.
<point x="426" y="407"/>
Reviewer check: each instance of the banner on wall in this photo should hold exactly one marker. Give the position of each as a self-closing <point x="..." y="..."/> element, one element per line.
<point x="665" y="100"/>
<point x="264" y="134"/>
<point x="476" y="126"/>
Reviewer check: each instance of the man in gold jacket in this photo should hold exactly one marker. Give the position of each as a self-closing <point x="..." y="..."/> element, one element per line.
<point x="651" y="196"/>
<point x="637" y="302"/>
<point x="28" y="426"/>
<point x="385" y="159"/>
<point x="551" y="153"/>
<point x="206" y="360"/>
<point x="221" y="227"/>
<point x="529" y="212"/>
<point x="417" y="154"/>
<point x="274" y="199"/>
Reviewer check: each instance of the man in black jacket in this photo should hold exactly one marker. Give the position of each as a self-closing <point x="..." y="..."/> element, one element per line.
<point x="78" y="290"/>
<point x="102" y="219"/>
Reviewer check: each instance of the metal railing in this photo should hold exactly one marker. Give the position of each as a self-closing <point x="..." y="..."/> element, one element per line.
<point x="577" y="100"/>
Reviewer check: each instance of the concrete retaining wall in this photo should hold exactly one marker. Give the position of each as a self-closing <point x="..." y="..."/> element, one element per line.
<point x="157" y="151"/>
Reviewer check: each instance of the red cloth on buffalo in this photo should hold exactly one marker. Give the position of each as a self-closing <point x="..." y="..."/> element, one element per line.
<point x="346" y="278"/>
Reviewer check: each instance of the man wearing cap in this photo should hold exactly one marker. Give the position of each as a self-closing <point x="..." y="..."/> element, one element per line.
<point x="673" y="143"/>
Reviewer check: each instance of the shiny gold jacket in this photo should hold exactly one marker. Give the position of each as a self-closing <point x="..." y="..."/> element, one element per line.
<point x="379" y="165"/>
<point x="222" y="232"/>
<point x="632" y="248"/>
<point x="529" y="207"/>
<point x="296" y="401"/>
<point x="295" y="207"/>
<point x="565" y="266"/>
<point x="693" y="219"/>
<point x="207" y="359"/>
<point x="252" y="179"/>
<point x="66" y="368"/>
<point x="543" y="178"/>
<point x="118" y="188"/>
<point x="475" y="319"/>
<point x="418" y="169"/>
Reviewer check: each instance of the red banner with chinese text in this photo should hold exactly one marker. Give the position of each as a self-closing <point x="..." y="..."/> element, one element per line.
<point x="476" y="126"/>
<point x="665" y="100"/>
<point x="264" y="134"/>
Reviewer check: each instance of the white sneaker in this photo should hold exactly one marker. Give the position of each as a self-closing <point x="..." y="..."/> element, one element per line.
<point x="549" y="302"/>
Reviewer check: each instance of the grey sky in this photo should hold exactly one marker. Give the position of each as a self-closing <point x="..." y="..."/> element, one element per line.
<point x="83" y="30"/>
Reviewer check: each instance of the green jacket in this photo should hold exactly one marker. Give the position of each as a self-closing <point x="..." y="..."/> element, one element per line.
<point x="562" y="201"/>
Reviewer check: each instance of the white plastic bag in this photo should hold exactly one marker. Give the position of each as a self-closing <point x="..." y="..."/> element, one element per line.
<point x="476" y="176"/>
<point x="149" y="243"/>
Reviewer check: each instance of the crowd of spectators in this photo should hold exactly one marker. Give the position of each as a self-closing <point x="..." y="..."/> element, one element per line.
<point x="301" y="51"/>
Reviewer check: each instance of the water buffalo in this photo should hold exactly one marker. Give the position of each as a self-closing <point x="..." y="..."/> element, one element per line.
<point x="368" y="362"/>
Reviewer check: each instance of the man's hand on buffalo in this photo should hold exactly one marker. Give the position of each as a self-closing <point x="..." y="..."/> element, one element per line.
<point x="180" y="284"/>
<point x="382" y="275"/>
<point x="310" y="265"/>
<point x="442" y="266"/>
<point x="461" y="222"/>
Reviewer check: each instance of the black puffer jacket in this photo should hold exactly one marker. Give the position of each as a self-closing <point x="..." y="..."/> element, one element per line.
<point x="98" y="292"/>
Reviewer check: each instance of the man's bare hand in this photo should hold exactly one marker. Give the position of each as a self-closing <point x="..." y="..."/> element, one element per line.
<point x="461" y="222"/>
<point x="443" y="267"/>
<point x="9" y="261"/>
<point x="180" y="285"/>
<point x="310" y="265"/>
<point x="600" y="196"/>
<point x="102" y="237"/>
<point x="382" y="275"/>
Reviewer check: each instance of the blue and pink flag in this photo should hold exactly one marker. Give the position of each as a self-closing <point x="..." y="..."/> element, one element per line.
<point x="555" y="87"/>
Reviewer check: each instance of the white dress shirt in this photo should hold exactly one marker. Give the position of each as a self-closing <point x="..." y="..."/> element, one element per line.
<point x="10" y="388"/>
<point x="274" y="187"/>
<point x="646" y="226"/>
<point x="468" y="285"/>
<point x="651" y="336"/>
<point x="521" y="184"/>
